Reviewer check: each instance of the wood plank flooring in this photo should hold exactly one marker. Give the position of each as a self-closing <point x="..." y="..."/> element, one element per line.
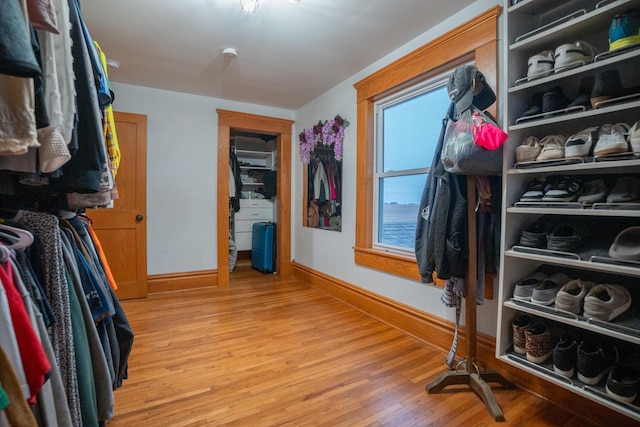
<point x="271" y="352"/>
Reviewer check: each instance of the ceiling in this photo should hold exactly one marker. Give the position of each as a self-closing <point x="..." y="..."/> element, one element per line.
<point x="287" y="55"/>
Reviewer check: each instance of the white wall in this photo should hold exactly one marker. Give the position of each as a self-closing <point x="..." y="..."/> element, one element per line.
<point x="332" y="252"/>
<point x="181" y="183"/>
<point x="182" y="137"/>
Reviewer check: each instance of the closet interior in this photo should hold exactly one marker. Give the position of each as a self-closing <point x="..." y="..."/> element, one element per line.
<point x="253" y="189"/>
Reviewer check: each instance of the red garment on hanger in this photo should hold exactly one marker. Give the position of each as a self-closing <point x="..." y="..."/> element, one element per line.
<point x="34" y="360"/>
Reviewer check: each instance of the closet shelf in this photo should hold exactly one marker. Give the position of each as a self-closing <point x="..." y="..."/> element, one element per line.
<point x="577" y="263"/>
<point x="610" y="112"/>
<point x="594" y="393"/>
<point x="616" y="330"/>
<point x="576" y="212"/>
<point x="577" y="28"/>
<point x="622" y="166"/>
<point x="590" y="68"/>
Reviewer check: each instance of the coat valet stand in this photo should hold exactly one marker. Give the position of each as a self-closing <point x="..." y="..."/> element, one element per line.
<point x="471" y="375"/>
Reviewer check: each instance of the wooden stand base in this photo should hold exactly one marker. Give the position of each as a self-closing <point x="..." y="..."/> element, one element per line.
<point x="478" y="383"/>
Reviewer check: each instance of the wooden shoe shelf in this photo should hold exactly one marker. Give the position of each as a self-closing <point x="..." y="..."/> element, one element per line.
<point x="530" y="27"/>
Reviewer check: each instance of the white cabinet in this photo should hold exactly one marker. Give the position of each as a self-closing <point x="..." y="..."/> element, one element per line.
<point x="532" y="26"/>
<point x="251" y="211"/>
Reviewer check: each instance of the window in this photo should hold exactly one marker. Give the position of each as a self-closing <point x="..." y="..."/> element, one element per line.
<point x="474" y="41"/>
<point x="408" y="125"/>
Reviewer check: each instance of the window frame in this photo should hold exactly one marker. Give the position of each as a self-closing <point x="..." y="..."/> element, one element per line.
<point x="476" y="40"/>
<point x="421" y="88"/>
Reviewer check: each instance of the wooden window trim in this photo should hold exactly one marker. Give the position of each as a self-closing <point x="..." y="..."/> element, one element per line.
<point x="476" y="39"/>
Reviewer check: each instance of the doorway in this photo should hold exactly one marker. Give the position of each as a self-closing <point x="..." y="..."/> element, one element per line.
<point x="281" y="130"/>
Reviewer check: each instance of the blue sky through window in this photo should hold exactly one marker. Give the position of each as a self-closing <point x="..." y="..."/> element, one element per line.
<point x="411" y="131"/>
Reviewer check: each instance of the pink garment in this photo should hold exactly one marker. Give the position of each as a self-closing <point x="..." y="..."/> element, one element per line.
<point x="42" y="15"/>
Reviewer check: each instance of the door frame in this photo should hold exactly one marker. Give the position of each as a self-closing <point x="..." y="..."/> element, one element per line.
<point x="281" y="129"/>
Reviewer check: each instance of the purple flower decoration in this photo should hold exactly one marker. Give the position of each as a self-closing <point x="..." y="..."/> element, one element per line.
<point x="329" y="133"/>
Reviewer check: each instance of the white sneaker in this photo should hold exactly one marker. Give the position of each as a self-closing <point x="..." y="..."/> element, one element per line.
<point x="634" y="137"/>
<point x="540" y="65"/>
<point x="528" y="150"/>
<point x="579" y="145"/>
<point x="612" y="139"/>
<point x="573" y="54"/>
<point x="606" y="302"/>
<point x="552" y="147"/>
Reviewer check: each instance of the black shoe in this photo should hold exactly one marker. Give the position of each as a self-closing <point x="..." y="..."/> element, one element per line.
<point x="554" y="100"/>
<point x="565" y="189"/>
<point x="595" y="361"/>
<point x="535" y="107"/>
<point x="607" y="85"/>
<point x="535" y="190"/>
<point x="565" y="355"/>
<point x="584" y="93"/>
<point x="535" y="235"/>
<point x="623" y="382"/>
<point x="564" y="238"/>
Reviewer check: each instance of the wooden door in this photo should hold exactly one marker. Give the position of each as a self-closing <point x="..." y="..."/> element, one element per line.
<point x="122" y="230"/>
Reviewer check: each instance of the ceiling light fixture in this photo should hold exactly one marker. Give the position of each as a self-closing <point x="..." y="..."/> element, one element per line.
<point x="293" y="2"/>
<point x="249" y="6"/>
<point x="229" y="52"/>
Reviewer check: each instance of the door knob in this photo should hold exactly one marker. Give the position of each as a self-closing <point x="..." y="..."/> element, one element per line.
<point x="139" y="218"/>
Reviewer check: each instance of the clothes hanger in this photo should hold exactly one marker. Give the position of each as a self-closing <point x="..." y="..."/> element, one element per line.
<point x="14" y="237"/>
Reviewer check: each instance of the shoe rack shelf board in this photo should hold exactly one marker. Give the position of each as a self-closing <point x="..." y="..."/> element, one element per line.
<point x="576" y="26"/>
<point x="592" y="67"/>
<point x="590" y="24"/>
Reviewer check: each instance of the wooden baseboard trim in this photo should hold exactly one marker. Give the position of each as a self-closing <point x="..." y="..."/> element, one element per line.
<point x="438" y="332"/>
<point x="182" y="281"/>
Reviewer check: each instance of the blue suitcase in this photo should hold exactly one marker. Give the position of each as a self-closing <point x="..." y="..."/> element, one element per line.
<point x="263" y="249"/>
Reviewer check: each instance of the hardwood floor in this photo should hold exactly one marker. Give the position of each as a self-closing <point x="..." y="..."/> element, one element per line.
<point x="271" y="352"/>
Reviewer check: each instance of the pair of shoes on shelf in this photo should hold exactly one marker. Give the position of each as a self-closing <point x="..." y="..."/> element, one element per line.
<point x="624" y="29"/>
<point x="593" y="360"/>
<point x="594" y="191"/>
<point x="551" y="147"/>
<point x="539" y="288"/>
<point x="593" y="90"/>
<point x="571" y="295"/>
<point x="612" y="139"/>
<point x="606" y="140"/>
<point x="623" y="381"/>
<point x="599" y="301"/>
<point x="534" y="339"/>
<point x="562" y="237"/>
<point x="553" y="188"/>
<point x="565" y="56"/>
<point x="547" y="102"/>
<point x="606" y="301"/>
<point x="524" y="288"/>
<point x="626" y="245"/>
<point x="625" y="190"/>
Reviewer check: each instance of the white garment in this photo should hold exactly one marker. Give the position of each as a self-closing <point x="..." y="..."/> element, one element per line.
<point x="320" y="180"/>
<point x="53" y="152"/>
<point x="64" y="69"/>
